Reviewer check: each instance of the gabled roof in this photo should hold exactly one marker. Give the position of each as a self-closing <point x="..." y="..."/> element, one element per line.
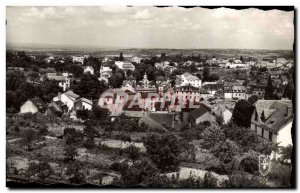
<point x="166" y="119"/>
<point x="277" y="113"/>
<point x="87" y="101"/>
<point x="72" y="95"/>
<point x="39" y="103"/>
<point x="200" y="111"/>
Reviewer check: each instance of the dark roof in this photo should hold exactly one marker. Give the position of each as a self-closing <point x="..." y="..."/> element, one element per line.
<point x="39" y="103"/>
<point x="277" y="113"/>
<point x="200" y="111"/>
<point x="59" y="103"/>
<point x="165" y="119"/>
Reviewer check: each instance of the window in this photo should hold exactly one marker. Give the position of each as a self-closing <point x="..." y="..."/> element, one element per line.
<point x="270" y="136"/>
<point x="262" y="132"/>
<point x="256" y="116"/>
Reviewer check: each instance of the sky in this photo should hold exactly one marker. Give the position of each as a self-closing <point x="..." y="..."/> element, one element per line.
<point x="150" y="27"/>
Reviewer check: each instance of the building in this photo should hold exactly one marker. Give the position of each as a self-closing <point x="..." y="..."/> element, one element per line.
<point x="235" y="92"/>
<point x="201" y="114"/>
<point x="236" y="64"/>
<point x="79" y="59"/>
<point x="83" y="103"/>
<point x="63" y="81"/>
<point x="33" y="106"/>
<point x="224" y="112"/>
<point x="125" y="65"/>
<point x="188" y="79"/>
<point x="272" y="121"/>
<point x="136" y="59"/>
<point x="88" y="69"/>
<point x="212" y="87"/>
<point x="68" y="98"/>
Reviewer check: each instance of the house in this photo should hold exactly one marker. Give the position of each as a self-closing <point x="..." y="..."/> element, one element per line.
<point x="224" y="112"/>
<point x="136" y="59"/>
<point x="33" y="106"/>
<point x="79" y="59"/>
<point x="212" y="87"/>
<point x="105" y="73"/>
<point x="236" y="64"/>
<point x="188" y="79"/>
<point x="151" y="123"/>
<point x="166" y="119"/>
<point x="63" y="81"/>
<point x="188" y="92"/>
<point x="272" y="120"/>
<point x="257" y="86"/>
<point x="125" y="65"/>
<point x="83" y="103"/>
<point x="235" y="92"/>
<point x="58" y="107"/>
<point x="88" y="69"/>
<point x="68" y="98"/>
<point x="201" y="114"/>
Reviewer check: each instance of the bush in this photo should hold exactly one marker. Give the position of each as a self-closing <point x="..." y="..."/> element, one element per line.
<point x="250" y="164"/>
<point x="281" y="174"/>
<point x="244" y="180"/>
<point x="210" y="181"/>
<point x="42" y="170"/>
<point x="89" y="143"/>
<point x="133" y="152"/>
<point x="164" y="151"/>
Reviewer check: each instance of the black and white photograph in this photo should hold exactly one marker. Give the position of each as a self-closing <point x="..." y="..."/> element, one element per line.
<point x="150" y="97"/>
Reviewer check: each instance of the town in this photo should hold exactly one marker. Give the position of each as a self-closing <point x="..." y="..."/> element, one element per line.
<point x="150" y="117"/>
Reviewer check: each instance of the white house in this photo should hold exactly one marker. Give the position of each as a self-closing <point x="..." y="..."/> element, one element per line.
<point x="68" y="98"/>
<point x="224" y="112"/>
<point x="188" y="79"/>
<point x="125" y="65"/>
<point x="33" y="106"/>
<point x="236" y="91"/>
<point x="136" y="60"/>
<point x="88" y="69"/>
<point x="272" y="120"/>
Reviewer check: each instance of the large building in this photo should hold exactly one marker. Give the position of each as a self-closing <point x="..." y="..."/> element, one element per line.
<point x="188" y="79"/>
<point x="125" y="65"/>
<point x="272" y="120"/>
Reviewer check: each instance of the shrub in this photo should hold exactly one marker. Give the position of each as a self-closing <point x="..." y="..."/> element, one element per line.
<point x="42" y="170"/>
<point x="250" y="164"/>
<point x="244" y="180"/>
<point x="210" y="181"/>
<point x="281" y="173"/>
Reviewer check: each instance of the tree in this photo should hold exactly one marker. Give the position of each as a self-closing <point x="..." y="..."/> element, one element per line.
<point x="250" y="164"/>
<point x="286" y="153"/>
<point x="269" y="90"/>
<point x="42" y="170"/>
<point x="133" y="153"/>
<point x="116" y="81"/>
<point x="210" y="181"/>
<point x="82" y="114"/>
<point x="33" y="76"/>
<point x="29" y="136"/>
<point x="205" y="74"/>
<point x="164" y="151"/>
<point x="288" y="90"/>
<point x="70" y="153"/>
<point x="242" y="113"/>
<point x="76" y="176"/>
<point x="140" y="173"/>
<point x="252" y="99"/>
<point x="121" y="58"/>
<point x="163" y="56"/>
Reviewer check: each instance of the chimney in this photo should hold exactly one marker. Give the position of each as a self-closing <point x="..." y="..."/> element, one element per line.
<point x="288" y="111"/>
<point x="59" y="95"/>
